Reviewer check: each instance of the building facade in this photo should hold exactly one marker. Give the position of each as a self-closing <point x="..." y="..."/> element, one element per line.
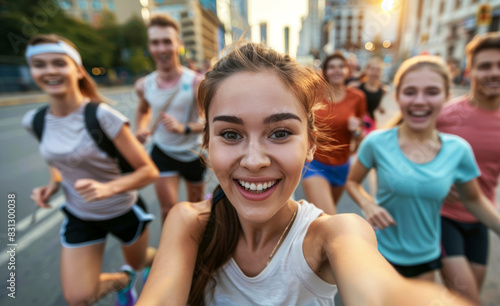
<point x="348" y="25"/>
<point x="445" y="27"/>
<point x="91" y="10"/>
<point x="199" y="27"/>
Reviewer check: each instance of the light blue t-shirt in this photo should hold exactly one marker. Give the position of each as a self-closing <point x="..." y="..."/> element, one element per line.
<point x="413" y="193"/>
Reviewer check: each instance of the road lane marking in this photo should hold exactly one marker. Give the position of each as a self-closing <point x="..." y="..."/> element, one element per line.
<point x="34" y="234"/>
<point x="40" y="214"/>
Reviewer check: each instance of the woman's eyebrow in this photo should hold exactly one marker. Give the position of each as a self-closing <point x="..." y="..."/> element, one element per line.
<point x="280" y="117"/>
<point x="271" y="119"/>
<point x="228" y="118"/>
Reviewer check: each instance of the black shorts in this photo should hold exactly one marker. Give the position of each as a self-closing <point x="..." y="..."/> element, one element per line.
<point x="128" y="227"/>
<point x="416" y="270"/>
<point x="193" y="172"/>
<point x="464" y="239"/>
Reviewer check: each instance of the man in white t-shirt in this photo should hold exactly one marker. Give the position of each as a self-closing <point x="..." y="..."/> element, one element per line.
<point x="176" y="139"/>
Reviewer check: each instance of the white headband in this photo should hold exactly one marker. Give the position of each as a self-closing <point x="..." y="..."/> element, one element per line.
<point x="59" y="47"/>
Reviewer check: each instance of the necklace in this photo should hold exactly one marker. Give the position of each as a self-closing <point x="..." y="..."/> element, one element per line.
<point x="279" y="241"/>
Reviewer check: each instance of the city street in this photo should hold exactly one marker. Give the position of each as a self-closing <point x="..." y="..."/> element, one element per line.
<point x="37" y="253"/>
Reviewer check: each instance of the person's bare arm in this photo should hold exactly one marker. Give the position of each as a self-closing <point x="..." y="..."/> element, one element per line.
<point x="170" y="278"/>
<point x="375" y="215"/>
<point x="145" y="171"/>
<point x="364" y="277"/>
<point x="476" y="203"/>
<point x="41" y="195"/>
<point x="143" y="112"/>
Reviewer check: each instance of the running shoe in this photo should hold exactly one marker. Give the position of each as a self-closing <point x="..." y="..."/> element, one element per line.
<point x="127" y="296"/>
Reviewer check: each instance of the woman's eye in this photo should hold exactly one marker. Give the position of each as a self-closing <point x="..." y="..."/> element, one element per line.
<point x="280" y="134"/>
<point x="230" y="135"/>
<point x="60" y="63"/>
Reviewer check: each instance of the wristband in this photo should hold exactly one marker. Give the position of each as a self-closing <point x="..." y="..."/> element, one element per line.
<point x="356" y="133"/>
<point x="187" y="129"/>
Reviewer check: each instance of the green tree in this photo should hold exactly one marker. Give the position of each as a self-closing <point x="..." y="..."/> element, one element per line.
<point x="22" y="19"/>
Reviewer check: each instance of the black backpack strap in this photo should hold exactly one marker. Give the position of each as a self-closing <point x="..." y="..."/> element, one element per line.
<point x="101" y="139"/>
<point x="39" y="121"/>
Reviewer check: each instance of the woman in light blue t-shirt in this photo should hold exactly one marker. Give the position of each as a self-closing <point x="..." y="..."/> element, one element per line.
<point x="416" y="166"/>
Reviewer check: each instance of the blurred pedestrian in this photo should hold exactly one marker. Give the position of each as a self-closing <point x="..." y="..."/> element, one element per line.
<point x="254" y="245"/>
<point x="374" y="90"/>
<point x="324" y="178"/>
<point x="476" y="118"/>
<point x="100" y="199"/>
<point x="416" y="167"/>
<point x="169" y="96"/>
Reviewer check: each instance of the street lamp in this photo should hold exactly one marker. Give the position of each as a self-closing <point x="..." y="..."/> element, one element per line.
<point x="369" y="46"/>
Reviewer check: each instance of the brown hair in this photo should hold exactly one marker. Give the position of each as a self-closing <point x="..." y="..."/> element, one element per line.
<point x="223" y="228"/>
<point x="87" y="86"/>
<point x="432" y="62"/>
<point x="334" y="55"/>
<point x="479" y="43"/>
<point x="163" y="20"/>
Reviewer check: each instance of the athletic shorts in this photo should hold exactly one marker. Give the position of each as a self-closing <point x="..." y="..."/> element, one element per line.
<point x="128" y="227"/>
<point x="416" y="270"/>
<point x="464" y="239"/>
<point x="335" y="175"/>
<point x="193" y="172"/>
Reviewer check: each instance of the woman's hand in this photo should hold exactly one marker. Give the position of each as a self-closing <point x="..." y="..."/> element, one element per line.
<point x="142" y="135"/>
<point x="92" y="190"/>
<point x="377" y="216"/>
<point x="41" y="195"/>
<point x="353" y="123"/>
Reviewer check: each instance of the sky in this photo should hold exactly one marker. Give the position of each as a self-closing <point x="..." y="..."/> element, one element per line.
<point x="278" y="14"/>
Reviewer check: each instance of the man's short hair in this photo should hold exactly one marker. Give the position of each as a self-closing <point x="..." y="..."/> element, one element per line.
<point x="481" y="42"/>
<point x="163" y="20"/>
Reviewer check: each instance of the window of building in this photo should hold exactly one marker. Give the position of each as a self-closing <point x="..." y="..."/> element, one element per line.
<point x="97" y="5"/>
<point x="65" y="4"/>
<point x="263" y="32"/>
<point x="458" y="4"/>
<point x="287" y="39"/>
<point x="111" y="5"/>
<point x="429" y="21"/>
<point x="86" y="17"/>
<point x="159" y="1"/>
<point x="83" y="4"/>
<point x="441" y="7"/>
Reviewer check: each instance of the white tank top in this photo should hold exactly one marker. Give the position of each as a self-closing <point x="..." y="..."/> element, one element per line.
<point x="181" y="147"/>
<point x="287" y="280"/>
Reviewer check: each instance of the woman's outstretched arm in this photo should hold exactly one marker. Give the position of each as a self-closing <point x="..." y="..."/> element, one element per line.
<point x="364" y="277"/>
<point x="170" y="278"/>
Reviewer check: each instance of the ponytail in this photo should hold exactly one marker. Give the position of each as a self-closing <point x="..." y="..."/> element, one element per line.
<point x="217" y="245"/>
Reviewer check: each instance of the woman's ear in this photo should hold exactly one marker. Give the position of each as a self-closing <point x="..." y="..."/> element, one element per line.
<point x="80" y="72"/>
<point x="310" y="152"/>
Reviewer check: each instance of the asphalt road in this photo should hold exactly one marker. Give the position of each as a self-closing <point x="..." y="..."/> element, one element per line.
<point x="37" y="249"/>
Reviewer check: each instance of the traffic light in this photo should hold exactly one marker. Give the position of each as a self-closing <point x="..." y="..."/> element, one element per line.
<point x="483" y="15"/>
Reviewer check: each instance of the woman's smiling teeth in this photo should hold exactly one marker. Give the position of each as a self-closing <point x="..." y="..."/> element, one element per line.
<point x="419" y="113"/>
<point x="257" y="187"/>
<point x="53" y="82"/>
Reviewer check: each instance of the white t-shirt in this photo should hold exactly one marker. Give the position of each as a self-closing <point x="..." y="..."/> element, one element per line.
<point x="67" y="146"/>
<point x="287" y="280"/>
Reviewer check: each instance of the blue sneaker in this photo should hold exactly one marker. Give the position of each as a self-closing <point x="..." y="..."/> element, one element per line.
<point x="145" y="274"/>
<point x="127" y="296"/>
